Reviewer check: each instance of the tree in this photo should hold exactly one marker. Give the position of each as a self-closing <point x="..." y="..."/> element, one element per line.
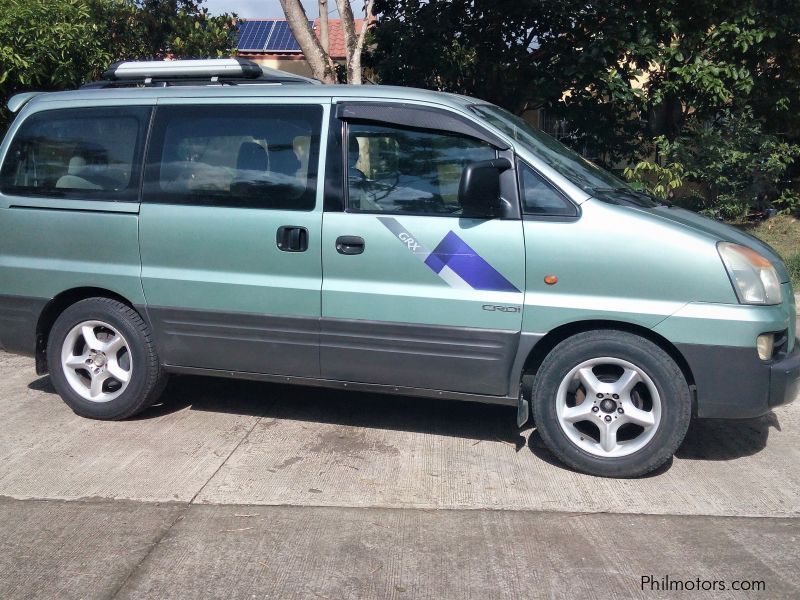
<point x="58" y="44"/>
<point x="324" y="31"/>
<point x="565" y="56"/>
<point x="734" y="166"/>
<point x="620" y="72"/>
<point x="315" y="51"/>
<point x="181" y="28"/>
<point x="49" y="44"/>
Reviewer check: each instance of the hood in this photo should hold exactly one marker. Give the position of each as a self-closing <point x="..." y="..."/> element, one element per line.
<point x="719" y="230"/>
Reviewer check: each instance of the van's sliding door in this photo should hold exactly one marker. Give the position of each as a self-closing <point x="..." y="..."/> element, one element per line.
<point x="230" y="235"/>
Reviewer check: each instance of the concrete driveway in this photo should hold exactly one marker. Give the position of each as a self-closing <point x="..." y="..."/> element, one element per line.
<point x="240" y="490"/>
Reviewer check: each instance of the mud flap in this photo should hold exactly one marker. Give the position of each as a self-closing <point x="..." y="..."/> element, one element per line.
<point x="523" y="409"/>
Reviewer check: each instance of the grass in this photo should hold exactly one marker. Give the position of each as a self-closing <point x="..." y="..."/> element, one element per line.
<point x="783" y="234"/>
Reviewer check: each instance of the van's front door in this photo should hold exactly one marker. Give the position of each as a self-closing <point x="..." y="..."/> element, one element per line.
<point x="414" y="294"/>
<point x="230" y="236"/>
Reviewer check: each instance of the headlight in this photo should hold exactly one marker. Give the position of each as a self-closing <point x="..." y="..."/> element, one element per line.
<point x="753" y="276"/>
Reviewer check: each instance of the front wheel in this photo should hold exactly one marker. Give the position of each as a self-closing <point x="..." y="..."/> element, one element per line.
<point x="611" y="403"/>
<point x="102" y="360"/>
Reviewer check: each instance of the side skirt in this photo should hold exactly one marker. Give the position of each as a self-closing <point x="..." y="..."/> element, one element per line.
<point x="346" y="385"/>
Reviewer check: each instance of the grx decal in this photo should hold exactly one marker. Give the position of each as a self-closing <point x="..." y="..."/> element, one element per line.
<point x="453" y="260"/>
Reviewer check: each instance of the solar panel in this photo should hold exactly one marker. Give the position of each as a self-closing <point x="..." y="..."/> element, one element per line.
<point x="281" y="39"/>
<point x="267" y="35"/>
<point x="253" y="35"/>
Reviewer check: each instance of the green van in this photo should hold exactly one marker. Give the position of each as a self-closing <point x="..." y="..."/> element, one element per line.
<point x="217" y="218"/>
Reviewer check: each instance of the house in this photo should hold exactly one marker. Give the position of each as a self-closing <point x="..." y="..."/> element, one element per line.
<point x="270" y="42"/>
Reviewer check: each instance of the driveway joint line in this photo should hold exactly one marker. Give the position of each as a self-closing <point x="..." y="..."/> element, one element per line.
<point x="227" y="458"/>
<point x="150" y="550"/>
<point x="393" y="507"/>
<point x="180" y="515"/>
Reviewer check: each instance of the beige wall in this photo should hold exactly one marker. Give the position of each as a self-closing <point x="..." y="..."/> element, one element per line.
<point x="298" y="66"/>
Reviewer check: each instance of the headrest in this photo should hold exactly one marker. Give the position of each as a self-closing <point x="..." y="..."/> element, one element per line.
<point x="252" y="157"/>
<point x="76" y="165"/>
<point x="282" y="159"/>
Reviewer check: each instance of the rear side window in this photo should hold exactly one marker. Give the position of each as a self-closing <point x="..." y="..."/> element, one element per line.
<point x="399" y="170"/>
<point x="236" y="156"/>
<point x="80" y="153"/>
<point x="540" y="198"/>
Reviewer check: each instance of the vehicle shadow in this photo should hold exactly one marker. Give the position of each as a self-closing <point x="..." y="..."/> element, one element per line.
<point x="338" y="407"/>
<point x="537" y="447"/>
<point x="707" y="439"/>
<point x="727" y="439"/>
<point x="43" y="384"/>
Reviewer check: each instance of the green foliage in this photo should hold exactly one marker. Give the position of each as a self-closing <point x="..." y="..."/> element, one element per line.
<point x="620" y="73"/>
<point x="59" y="44"/>
<point x="735" y="166"/>
<point x="659" y="180"/>
<point x="48" y="44"/>
<point x="154" y="29"/>
<point x="566" y="57"/>
<point x="788" y="201"/>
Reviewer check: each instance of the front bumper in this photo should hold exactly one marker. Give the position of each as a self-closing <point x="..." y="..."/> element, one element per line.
<point x="784" y="382"/>
<point x="733" y="383"/>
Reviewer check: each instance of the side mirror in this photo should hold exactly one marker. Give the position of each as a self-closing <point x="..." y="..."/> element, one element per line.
<point x="479" y="188"/>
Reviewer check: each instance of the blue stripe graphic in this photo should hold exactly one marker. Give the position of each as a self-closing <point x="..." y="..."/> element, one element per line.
<point x="455" y="253"/>
<point x="464" y="266"/>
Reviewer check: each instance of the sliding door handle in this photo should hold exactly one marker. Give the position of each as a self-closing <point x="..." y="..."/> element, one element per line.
<point x="291" y="238"/>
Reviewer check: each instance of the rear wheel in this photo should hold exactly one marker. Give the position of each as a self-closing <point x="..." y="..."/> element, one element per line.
<point x="611" y="403"/>
<point x="102" y="360"/>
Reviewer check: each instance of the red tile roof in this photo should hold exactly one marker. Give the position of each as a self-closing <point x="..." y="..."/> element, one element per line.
<point x="337" y="48"/>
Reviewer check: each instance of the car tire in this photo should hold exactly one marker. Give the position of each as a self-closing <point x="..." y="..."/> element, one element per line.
<point x="610" y="403"/>
<point x="102" y="360"/>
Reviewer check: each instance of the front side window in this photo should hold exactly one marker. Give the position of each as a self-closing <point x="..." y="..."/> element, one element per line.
<point x="540" y="198"/>
<point x="235" y="156"/>
<point x="81" y="153"/>
<point x="399" y="170"/>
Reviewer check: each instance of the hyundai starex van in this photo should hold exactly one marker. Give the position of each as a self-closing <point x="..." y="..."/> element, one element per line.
<point x="217" y="218"/>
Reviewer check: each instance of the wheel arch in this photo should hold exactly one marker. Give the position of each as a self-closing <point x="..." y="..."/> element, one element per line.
<point x="554" y="337"/>
<point x="57" y="305"/>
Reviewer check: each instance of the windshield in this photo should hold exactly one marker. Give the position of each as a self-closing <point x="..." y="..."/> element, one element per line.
<point x="583" y="173"/>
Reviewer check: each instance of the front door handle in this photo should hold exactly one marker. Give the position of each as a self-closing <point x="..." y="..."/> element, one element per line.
<point x="349" y="244"/>
<point x="292" y="238"/>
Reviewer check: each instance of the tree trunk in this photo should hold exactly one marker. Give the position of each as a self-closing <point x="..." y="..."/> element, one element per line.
<point x="322" y="66"/>
<point x="359" y="49"/>
<point x="323" y="26"/>
<point x="354" y="43"/>
<point x="349" y="30"/>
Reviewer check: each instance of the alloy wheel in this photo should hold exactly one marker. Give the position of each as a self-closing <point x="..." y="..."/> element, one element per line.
<point x="608" y="407"/>
<point x="96" y="361"/>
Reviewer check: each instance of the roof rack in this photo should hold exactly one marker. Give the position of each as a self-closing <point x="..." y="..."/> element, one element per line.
<point x="217" y="71"/>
